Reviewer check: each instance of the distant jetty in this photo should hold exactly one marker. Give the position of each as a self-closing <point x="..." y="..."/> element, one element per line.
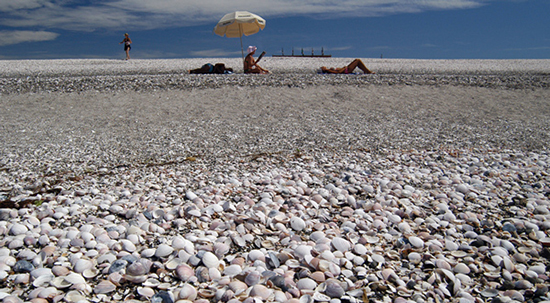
<point x="302" y="54"/>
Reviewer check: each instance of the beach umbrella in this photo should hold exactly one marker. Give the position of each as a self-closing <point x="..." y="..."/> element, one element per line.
<point x="239" y="23"/>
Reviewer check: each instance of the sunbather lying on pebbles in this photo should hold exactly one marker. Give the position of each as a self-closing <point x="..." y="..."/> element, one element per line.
<point x="347" y="69"/>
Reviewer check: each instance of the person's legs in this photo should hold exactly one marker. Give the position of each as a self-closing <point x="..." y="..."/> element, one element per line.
<point x="351" y="67"/>
<point x="253" y="71"/>
<point x="358" y="63"/>
<point x="127" y="49"/>
<point x="198" y="71"/>
<point x="263" y="70"/>
<point x="362" y="66"/>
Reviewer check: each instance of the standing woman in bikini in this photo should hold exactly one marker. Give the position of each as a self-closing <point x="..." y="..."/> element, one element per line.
<point x="127" y="41"/>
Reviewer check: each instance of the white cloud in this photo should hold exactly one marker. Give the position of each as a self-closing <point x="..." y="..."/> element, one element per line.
<point x="15" y="37"/>
<point x="341" y="48"/>
<point x="11" y="5"/>
<point x="212" y="9"/>
<point x="147" y="14"/>
<point x="70" y="18"/>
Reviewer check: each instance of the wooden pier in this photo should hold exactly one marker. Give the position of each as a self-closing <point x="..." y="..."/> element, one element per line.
<point x="303" y="55"/>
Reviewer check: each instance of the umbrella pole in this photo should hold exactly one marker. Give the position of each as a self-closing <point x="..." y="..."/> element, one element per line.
<point x="241" y="36"/>
<point x="242" y="51"/>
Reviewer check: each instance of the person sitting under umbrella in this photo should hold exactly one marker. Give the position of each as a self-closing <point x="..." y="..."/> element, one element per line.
<point x="347" y="69"/>
<point x="250" y="65"/>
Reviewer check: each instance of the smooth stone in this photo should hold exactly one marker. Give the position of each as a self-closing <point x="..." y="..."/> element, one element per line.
<point x="104" y="287"/>
<point x="215" y="274"/>
<point x="117" y="266"/>
<point x="261" y="291"/>
<point x="539" y="269"/>
<point x="301" y="251"/>
<point x="21" y="278"/>
<point x="463" y="189"/>
<point x="41" y="272"/>
<point x="404" y="227"/>
<point x="317" y="236"/>
<point x="148" y="252"/>
<point x="162" y="297"/>
<point x="48" y="292"/>
<point x="255" y="254"/>
<point x="359" y="249"/>
<point x="489" y="292"/>
<point x="137" y="269"/>
<point x="442" y="264"/>
<point x="232" y="270"/>
<point x="188" y="292"/>
<point x="461" y="268"/>
<point x="23" y="266"/>
<point x="414" y="257"/>
<point x="210" y="260"/>
<point x="82" y="265"/>
<point x="221" y="249"/>
<point x="297" y="223"/>
<point x="514" y="295"/>
<point x="185" y="272"/>
<point x="509" y="227"/>
<point x="523" y="284"/>
<point x="74" y="278"/>
<point x="163" y="250"/>
<point x="340" y="244"/>
<point x="106" y="258"/>
<point x="450" y="245"/>
<point x="237" y="286"/>
<point x="178" y="242"/>
<point x="10" y="299"/>
<point x="128" y="246"/>
<point x="306" y="284"/>
<point x="130" y="258"/>
<point x="252" y="278"/>
<point x="146" y="292"/>
<point x="334" y="289"/>
<point x="318" y="276"/>
<point x="73" y="296"/>
<point x="18" y="229"/>
<point x="416" y="242"/>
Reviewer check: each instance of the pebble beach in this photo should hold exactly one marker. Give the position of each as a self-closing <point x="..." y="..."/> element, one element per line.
<point x="135" y="181"/>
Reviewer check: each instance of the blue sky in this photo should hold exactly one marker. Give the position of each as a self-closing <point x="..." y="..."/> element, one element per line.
<point x="416" y="29"/>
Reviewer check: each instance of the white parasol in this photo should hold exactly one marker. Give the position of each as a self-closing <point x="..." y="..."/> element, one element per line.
<point x="239" y="23"/>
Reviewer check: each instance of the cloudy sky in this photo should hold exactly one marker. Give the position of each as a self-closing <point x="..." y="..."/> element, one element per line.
<point x="423" y="29"/>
